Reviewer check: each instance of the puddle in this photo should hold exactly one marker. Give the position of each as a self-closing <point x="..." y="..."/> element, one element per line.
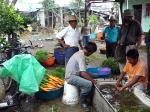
<point x="56" y="106"/>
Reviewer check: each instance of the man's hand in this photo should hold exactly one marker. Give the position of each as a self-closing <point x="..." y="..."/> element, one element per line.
<point x="120" y="89"/>
<point x="94" y="81"/>
<point x="66" y="46"/>
<point x="119" y="42"/>
<point x="118" y="84"/>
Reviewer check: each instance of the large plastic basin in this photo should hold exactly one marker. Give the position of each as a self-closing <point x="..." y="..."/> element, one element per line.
<point x="50" y="95"/>
<point x="99" y="72"/>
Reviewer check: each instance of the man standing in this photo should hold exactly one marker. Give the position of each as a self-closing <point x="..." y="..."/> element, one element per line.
<point x="136" y="71"/>
<point x="129" y="37"/>
<point x="110" y="34"/>
<point x="76" y="74"/>
<point x="147" y="41"/>
<point x="70" y="37"/>
<point x="85" y="31"/>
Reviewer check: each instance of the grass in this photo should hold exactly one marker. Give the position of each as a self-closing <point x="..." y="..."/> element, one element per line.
<point x="95" y="58"/>
<point x="143" y="48"/>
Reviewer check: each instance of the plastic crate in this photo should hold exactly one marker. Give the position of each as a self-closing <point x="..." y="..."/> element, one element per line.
<point x="50" y="95"/>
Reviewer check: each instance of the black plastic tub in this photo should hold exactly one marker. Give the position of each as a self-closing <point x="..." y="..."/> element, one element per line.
<point x="50" y="95"/>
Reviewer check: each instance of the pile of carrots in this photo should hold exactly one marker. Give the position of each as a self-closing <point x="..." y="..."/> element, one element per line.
<point x="50" y="82"/>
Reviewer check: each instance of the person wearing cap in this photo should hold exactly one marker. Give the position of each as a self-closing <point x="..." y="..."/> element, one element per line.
<point x="110" y="34"/>
<point x="147" y="42"/>
<point x="129" y="37"/>
<point x="69" y="38"/>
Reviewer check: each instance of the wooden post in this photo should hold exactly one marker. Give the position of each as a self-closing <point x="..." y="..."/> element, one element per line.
<point x="85" y="16"/>
<point x="61" y="16"/>
<point x="121" y="12"/>
<point x="79" y="8"/>
<point x="52" y="20"/>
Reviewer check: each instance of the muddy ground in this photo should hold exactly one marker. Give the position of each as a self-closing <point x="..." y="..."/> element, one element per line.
<point x="48" y="43"/>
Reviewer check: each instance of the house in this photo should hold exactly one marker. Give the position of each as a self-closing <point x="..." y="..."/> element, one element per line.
<point x="141" y="10"/>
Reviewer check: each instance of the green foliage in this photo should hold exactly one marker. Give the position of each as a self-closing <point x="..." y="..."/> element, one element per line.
<point x="145" y="34"/>
<point x="115" y="6"/>
<point x="111" y="63"/>
<point x="100" y="20"/>
<point x="49" y="5"/>
<point x="3" y="43"/>
<point x="11" y="20"/>
<point x="134" y="109"/>
<point x="41" y="55"/>
<point x="77" y="4"/>
<point x="58" y="72"/>
<point x="92" y="19"/>
<point x="27" y="20"/>
<point x="55" y="108"/>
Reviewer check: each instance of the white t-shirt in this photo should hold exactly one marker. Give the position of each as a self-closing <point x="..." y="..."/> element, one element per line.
<point x="71" y="36"/>
<point x="75" y="64"/>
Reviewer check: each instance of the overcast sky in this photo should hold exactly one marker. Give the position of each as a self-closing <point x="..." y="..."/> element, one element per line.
<point x="32" y="5"/>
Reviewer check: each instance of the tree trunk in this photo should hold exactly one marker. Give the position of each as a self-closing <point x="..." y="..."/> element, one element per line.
<point x="121" y="12"/>
<point x="47" y="18"/>
<point x="61" y="16"/>
<point x="79" y="7"/>
<point x="14" y="2"/>
<point x="7" y="1"/>
<point x="85" y="16"/>
<point x="52" y="20"/>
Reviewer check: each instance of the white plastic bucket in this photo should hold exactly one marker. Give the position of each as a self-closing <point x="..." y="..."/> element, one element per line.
<point x="70" y="95"/>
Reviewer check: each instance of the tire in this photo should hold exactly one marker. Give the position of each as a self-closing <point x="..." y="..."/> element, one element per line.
<point x="2" y="90"/>
<point x="7" y="81"/>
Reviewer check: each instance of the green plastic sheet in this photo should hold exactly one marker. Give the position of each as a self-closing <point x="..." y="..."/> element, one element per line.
<point x="25" y="70"/>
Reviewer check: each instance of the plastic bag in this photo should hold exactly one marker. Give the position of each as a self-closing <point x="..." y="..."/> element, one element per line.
<point x="25" y="70"/>
<point x="4" y="72"/>
<point x="93" y="36"/>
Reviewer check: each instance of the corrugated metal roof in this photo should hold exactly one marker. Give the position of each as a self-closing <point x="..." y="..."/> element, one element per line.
<point x="104" y="0"/>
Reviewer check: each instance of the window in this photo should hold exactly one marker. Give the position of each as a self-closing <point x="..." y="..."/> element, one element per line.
<point x="147" y="12"/>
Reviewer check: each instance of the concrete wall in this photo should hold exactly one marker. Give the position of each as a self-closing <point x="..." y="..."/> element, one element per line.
<point x="145" y="22"/>
<point x="99" y="102"/>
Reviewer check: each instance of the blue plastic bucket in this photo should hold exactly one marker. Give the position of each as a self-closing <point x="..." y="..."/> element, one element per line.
<point x="99" y="72"/>
<point x="104" y="72"/>
<point x="59" y="54"/>
<point x="93" y="71"/>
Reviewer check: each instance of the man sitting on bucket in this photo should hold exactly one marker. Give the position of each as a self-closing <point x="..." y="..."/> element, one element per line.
<point x="76" y="74"/>
<point x="136" y="71"/>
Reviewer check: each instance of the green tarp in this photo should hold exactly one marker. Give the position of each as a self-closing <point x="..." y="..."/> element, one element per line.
<point x="25" y="70"/>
